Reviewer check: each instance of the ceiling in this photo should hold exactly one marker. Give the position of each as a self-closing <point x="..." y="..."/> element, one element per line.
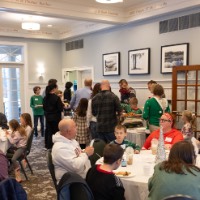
<point x="63" y="19"/>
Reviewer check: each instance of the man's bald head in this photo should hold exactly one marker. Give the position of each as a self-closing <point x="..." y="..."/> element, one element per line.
<point x="88" y="82"/>
<point x="67" y="128"/>
<point x="105" y="85"/>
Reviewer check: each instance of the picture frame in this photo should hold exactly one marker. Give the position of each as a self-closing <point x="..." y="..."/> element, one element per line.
<point x="111" y="64"/>
<point x="174" y="55"/>
<point x="139" y="61"/>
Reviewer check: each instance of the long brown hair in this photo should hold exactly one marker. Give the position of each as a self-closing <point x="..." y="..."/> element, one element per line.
<point x="27" y="119"/>
<point x="15" y="126"/>
<point x="82" y="107"/>
<point x="181" y="157"/>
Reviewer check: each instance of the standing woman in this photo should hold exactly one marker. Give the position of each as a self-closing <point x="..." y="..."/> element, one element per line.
<point x="155" y="107"/>
<point x="91" y="119"/>
<point x="53" y="108"/>
<point x="68" y="92"/>
<point x="82" y="135"/>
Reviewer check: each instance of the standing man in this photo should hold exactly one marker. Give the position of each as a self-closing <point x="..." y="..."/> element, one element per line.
<point x="67" y="155"/>
<point x="106" y="107"/>
<point x="36" y="103"/>
<point x="81" y="93"/>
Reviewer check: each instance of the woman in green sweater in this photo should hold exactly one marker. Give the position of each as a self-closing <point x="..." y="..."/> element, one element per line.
<point x="155" y="107"/>
<point x="177" y="175"/>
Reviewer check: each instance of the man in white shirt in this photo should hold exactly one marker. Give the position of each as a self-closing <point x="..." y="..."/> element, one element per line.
<point x="67" y="155"/>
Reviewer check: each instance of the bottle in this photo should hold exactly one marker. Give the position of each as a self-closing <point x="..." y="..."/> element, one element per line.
<point x="123" y="162"/>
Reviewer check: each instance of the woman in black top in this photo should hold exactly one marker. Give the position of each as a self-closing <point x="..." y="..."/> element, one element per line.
<point x="68" y="92"/>
<point x="53" y="108"/>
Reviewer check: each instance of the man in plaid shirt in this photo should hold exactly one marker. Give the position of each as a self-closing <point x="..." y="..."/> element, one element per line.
<point x="106" y="107"/>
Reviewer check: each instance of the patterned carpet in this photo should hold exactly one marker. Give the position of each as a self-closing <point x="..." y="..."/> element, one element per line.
<point x="40" y="185"/>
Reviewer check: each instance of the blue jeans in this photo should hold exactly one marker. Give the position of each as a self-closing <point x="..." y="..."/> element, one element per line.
<point x="107" y="137"/>
<point x="41" y="117"/>
<point x="93" y="130"/>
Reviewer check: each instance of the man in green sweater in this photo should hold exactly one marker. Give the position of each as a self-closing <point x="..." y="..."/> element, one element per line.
<point x="36" y="103"/>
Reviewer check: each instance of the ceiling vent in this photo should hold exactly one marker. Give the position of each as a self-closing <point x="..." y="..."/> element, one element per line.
<point x="77" y="44"/>
<point x="180" y="23"/>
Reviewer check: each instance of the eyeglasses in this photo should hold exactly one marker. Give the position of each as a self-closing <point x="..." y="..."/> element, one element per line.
<point x="164" y="120"/>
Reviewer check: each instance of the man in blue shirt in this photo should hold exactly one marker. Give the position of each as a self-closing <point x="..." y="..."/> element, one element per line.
<point x="81" y="93"/>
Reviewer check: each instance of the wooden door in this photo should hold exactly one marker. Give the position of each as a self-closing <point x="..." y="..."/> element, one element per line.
<point x="186" y="92"/>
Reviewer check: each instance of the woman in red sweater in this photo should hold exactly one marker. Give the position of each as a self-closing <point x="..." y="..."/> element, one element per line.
<point x="171" y="135"/>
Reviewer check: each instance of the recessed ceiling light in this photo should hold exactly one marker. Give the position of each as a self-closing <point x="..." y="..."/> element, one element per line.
<point x="31" y="26"/>
<point x="49" y="25"/>
<point x="109" y="1"/>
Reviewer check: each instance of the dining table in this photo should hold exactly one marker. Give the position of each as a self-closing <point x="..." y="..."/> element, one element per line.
<point x="142" y="168"/>
<point x="4" y="143"/>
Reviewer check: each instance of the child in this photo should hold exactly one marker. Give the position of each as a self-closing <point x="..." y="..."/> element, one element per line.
<point x="132" y="108"/>
<point x="18" y="139"/>
<point x="82" y="135"/>
<point x="26" y="122"/>
<point x="120" y="134"/>
<point x="189" y="124"/>
<point x="101" y="179"/>
<point x="36" y="103"/>
<point x="126" y="91"/>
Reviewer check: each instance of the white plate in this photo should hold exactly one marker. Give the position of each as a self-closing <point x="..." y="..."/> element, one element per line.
<point x="121" y="176"/>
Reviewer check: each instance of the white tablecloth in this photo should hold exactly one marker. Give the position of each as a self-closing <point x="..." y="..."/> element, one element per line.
<point x="136" y="187"/>
<point x="4" y="143"/>
<point x="135" y="136"/>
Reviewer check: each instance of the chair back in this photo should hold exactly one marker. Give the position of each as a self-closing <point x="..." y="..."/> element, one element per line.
<point x="98" y="150"/>
<point x="73" y="187"/>
<point x="51" y="167"/>
<point x="29" y="142"/>
<point x="179" y="197"/>
<point x="10" y="189"/>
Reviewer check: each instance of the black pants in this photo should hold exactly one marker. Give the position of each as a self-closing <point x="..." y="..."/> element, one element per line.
<point x="51" y="129"/>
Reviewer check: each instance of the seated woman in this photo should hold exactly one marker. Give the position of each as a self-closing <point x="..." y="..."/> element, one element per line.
<point x="177" y="175"/>
<point x="171" y="135"/>
<point x="3" y="166"/>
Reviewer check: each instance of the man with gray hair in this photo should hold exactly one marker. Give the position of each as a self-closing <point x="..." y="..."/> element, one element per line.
<point x="81" y="93"/>
<point x="106" y="107"/>
<point x="67" y="155"/>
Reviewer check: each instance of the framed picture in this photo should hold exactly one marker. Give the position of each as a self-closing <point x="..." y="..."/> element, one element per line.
<point x="174" y="55"/>
<point x="111" y="64"/>
<point x="139" y="61"/>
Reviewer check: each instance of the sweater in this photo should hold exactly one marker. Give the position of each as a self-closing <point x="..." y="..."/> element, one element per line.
<point x="170" y="137"/>
<point x="104" y="185"/>
<point x="127" y="143"/>
<point x="34" y="102"/>
<point x="153" y="111"/>
<point x="163" y="184"/>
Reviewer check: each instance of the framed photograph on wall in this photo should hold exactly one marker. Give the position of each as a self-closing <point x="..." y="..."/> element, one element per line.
<point x="174" y="55"/>
<point x="139" y="61"/>
<point x="111" y="64"/>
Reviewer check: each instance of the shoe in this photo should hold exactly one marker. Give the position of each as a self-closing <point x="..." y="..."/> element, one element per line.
<point x="18" y="175"/>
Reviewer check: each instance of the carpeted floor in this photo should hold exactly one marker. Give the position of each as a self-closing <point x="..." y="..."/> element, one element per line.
<point x="40" y="185"/>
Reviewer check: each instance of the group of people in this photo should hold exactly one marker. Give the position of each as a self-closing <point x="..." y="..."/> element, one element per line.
<point x="17" y="135"/>
<point x="97" y="114"/>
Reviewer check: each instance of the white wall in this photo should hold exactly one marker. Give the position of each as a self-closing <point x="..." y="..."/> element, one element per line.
<point x="135" y="36"/>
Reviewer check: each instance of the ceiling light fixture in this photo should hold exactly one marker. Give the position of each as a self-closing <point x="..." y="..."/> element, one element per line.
<point x="109" y="1"/>
<point x="31" y="26"/>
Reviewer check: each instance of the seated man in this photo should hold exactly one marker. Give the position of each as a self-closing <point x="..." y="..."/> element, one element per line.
<point x="66" y="152"/>
<point x="101" y="179"/>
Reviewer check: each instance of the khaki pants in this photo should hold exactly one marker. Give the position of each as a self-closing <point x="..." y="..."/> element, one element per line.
<point x="153" y="128"/>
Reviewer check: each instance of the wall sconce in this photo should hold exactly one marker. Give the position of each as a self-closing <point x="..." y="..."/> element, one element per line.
<point x="40" y="70"/>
